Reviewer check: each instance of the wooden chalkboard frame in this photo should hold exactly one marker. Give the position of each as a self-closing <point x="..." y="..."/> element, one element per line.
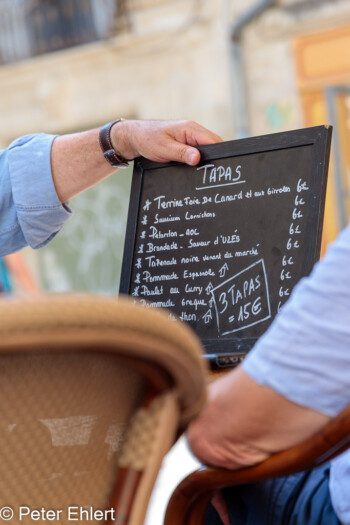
<point x="319" y="137"/>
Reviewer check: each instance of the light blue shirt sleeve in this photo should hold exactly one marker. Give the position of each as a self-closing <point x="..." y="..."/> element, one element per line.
<point x="305" y="354"/>
<point x="30" y="211"/>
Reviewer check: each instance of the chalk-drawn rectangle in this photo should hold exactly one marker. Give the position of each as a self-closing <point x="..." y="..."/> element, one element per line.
<point x="243" y="300"/>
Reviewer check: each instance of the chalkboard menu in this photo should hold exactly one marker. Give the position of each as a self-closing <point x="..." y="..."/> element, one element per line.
<point x="222" y="244"/>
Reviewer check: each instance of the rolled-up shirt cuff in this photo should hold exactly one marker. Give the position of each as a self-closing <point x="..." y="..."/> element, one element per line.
<point x="40" y="213"/>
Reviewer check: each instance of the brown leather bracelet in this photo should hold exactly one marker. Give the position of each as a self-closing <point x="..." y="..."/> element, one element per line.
<point x="109" y="153"/>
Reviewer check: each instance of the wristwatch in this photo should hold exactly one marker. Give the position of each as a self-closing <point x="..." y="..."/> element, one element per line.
<point x="109" y="153"/>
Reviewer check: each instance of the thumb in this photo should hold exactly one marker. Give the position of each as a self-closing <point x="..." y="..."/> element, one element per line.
<point x="192" y="156"/>
<point x="183" y="153"/>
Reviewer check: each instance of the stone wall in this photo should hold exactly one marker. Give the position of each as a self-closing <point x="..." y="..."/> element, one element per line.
<point x="271" y="80"/>
<point x="171" y="63"/>
<point x="173" y="60"/>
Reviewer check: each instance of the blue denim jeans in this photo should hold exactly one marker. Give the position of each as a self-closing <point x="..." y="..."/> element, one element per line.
<point x="299" y="499"/>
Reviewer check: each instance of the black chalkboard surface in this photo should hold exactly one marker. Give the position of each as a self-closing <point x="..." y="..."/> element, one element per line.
<point x="223" y="244"/>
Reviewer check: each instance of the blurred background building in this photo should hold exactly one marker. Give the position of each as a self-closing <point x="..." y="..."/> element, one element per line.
<point x="239" y="67"/>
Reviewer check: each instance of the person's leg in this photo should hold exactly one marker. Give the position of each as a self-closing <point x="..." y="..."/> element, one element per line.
<point x="247" y="504"/>
<point x="313" y="504"/>
<point x="300" y="499"/>
<point x="212" y="517"/>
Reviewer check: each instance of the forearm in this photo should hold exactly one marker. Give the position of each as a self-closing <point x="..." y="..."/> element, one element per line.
<point x="39" y="173"/>
<point x="78" y="163"/>
<point x="304" y="356"/>
<point x="243" y="423"/>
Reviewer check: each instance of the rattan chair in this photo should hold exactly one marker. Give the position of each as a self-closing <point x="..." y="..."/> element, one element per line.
<point x="93" y="393"/>
<point x="188" y="503"/>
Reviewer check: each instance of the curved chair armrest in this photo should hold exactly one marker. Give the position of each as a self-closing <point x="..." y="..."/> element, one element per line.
<point x="189" y="501"/>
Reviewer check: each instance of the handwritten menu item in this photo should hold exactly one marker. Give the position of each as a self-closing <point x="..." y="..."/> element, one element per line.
<point x="222" y="244"/>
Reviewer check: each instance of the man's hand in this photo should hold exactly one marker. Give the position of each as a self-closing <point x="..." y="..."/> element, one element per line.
<point x="243" y="423"/>
<point x="161" y="141"/>
<point x="77" y="161"/>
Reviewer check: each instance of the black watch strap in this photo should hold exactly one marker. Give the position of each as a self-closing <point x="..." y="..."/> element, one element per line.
<point x="109" y="153"/>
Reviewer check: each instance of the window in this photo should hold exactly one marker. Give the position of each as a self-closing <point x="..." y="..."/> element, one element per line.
<point x="33" y="27"/>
